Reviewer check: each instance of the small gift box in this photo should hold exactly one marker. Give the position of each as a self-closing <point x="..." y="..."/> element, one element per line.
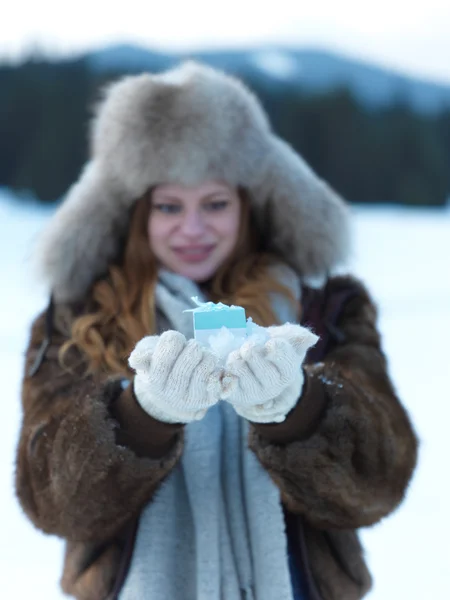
<point x="210" y="318"/>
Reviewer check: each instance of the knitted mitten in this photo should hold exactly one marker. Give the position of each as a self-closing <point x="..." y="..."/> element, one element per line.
<point x="176" y="380"/>
<point x="263" y="381"/>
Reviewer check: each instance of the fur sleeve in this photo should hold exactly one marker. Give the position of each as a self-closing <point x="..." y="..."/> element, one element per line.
<point x="73" y="477"/>
<point x="352" y="466"/>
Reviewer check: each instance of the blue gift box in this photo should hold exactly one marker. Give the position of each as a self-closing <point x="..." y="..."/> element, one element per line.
<point x="230" y="317"/>
<point x="210" y="317"/>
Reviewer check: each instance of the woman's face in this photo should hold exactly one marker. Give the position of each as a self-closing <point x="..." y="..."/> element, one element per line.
<point x="193" y="230"/>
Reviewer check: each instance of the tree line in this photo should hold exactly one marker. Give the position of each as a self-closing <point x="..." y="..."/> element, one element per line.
<point x="384" y="155"/>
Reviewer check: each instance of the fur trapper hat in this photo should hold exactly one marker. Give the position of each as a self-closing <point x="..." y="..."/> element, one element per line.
<point x="186" y="126"/>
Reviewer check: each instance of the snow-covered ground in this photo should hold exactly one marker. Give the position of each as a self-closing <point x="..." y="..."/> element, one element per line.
<point x="404" y="256"/>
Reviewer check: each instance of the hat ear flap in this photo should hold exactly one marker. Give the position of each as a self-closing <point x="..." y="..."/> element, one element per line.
<point x="309" y="222"/>
<point x="83" y="236"/>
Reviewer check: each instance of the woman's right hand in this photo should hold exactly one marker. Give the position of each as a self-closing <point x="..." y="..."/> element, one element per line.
<point x="176" y="380"/>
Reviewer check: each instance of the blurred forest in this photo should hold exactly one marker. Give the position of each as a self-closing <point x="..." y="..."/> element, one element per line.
<point x="389" y="154"/>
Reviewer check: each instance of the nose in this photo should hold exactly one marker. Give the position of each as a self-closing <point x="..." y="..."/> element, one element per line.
<point x="193" y="224"/>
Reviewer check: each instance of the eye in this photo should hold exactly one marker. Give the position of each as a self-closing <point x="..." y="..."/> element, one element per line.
<point x="217" y="205"/>
<point x="165" y="208"/>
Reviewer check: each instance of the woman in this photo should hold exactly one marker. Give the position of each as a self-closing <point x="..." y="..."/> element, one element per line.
<point x="169" y="473"/>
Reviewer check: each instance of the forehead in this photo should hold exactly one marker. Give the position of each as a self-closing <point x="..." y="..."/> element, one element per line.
<point x="204" y="189"/>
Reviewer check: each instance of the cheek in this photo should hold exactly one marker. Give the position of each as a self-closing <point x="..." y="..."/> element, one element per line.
<point x="229" y="228"/>
<point x="158" y="234"/>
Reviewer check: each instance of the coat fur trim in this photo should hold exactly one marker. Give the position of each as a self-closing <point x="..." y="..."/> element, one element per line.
<point x="185" y="126"/>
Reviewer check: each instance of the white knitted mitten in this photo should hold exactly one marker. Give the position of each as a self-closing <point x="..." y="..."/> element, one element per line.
<point x="263" y="381"/>
<point x="176" y="380"/>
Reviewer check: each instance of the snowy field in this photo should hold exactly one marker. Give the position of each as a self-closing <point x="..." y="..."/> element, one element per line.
<point x="404" y="256"/>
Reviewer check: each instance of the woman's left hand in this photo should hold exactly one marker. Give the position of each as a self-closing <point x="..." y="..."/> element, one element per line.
<point x="263" y="381"/>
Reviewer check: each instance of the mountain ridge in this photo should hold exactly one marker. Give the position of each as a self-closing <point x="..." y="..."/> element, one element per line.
<point x="308" y="69"/>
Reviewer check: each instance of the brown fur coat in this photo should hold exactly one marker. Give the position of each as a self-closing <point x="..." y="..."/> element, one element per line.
<point x="89" y="458"/>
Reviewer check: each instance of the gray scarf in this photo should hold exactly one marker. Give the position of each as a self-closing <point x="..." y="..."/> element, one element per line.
<point x="215" y="528"/>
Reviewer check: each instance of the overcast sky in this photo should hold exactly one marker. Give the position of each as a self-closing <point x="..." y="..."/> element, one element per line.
<point x="414" y="38"/>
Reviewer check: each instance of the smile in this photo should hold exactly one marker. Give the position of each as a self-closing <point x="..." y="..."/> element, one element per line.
<point x="193" y="254"/>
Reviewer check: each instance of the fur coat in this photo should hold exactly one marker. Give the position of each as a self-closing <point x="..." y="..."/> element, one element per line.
<point x="89" y="458"/>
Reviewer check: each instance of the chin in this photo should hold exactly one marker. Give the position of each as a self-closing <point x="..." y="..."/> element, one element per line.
<point x="200" y="277"/>
<point x="198" y="274"/>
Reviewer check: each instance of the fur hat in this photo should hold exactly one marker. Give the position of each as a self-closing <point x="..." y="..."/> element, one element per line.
<point x="186" y="126"/>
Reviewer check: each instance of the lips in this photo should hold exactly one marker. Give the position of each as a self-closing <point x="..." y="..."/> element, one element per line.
<point x="194" y="254"/>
